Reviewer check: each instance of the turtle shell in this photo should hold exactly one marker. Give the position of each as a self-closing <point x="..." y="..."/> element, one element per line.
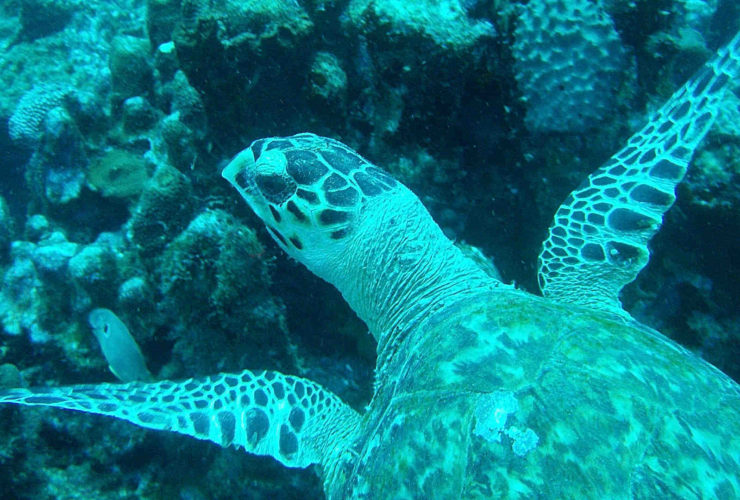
<point x="515" y="396"/>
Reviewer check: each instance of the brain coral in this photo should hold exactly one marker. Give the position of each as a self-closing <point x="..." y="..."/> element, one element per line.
<point x="568" y="62"/>
<point x="25" y="125"/>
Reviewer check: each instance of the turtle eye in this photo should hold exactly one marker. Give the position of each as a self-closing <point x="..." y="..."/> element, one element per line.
<point x="275" y="187"/>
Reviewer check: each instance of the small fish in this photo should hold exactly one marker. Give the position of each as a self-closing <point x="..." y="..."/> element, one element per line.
<point x="119" y="347"/>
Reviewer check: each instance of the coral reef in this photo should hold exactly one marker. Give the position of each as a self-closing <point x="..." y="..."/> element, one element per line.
<point x="94" y="271"/>
<point x="414" y="65"/>
<point x="35" y="289"/>
<point x="162" y="17"/>
<point x="163" y="210"/>
<point x="242" y="56"/>
<point x="41" y="18"/>
<point x="130" y="66"/>
<point x="56" y="170"/>
<point x="26" y="124"/>
<point x="214" y="258"/>
<point x="137" y="115"/>
<point x="445" y="22"/>
<point x="7" y="229"/>
<point x="569" y="64"/>
<point x="328" y="79"/>
<point x="118" y="173"/>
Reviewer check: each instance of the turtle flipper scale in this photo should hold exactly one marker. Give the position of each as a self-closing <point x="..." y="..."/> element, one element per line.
<point x="294" y="420"/>
<point x="598" y="240"/>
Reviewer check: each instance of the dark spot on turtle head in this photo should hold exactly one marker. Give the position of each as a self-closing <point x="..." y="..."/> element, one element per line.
<point x="275" y="214"/>
<point x="338" y="235"/>
<point x="257" y="147"/>
<point x="296" y="243"/>
<point x="330" y="217"/>
<point x="343" y="160"/>
<point x="309" y="196"/>
<point x="381" y="176"/>
<point x="583" y="194"/>
<point x="276" y="234"/>
<point x="42" y="400"/>
<point x="369" y="186"/>
<point x="617" y="170"/>
<point x="334" y="182"/>
<point x="343" y="198"/>
<point x="293" y="208"/>
<point x="305" y="167"/>
<point x="281" y="144"/>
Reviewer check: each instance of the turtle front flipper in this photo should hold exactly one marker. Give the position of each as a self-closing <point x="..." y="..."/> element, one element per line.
<point x="291" y="419"/>
<point x="598" y="240"/>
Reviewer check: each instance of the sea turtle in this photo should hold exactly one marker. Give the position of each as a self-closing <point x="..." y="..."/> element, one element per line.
<point x="482" y="390"/>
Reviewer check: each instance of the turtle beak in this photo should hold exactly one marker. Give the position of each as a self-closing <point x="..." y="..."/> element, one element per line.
<point x="240" y="171"/>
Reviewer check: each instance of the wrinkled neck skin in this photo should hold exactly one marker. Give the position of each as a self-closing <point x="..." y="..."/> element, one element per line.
<point x="399" y="268"/>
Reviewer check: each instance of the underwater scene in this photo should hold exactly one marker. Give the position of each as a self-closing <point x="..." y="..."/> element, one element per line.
<point x="191" y="188"/>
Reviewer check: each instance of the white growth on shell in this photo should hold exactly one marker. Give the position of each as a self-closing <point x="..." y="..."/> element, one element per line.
<point x="492" y="412"/>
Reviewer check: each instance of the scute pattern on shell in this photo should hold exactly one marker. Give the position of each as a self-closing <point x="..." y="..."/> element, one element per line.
<point x="598" y="393"/>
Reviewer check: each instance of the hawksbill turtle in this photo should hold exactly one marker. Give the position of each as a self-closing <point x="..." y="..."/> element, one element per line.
<point x="482" y="390"/>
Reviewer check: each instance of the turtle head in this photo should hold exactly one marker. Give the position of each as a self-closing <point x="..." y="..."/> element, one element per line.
<point x="308" y="190"/>
<point x="355" y="226"/>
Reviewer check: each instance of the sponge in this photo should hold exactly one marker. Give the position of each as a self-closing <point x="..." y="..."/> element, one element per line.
<point x="569" y="61"/>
